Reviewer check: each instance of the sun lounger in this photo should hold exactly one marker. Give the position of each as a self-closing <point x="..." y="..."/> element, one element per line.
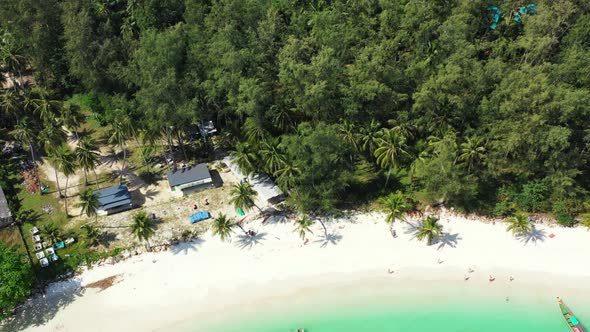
<point x="49" y="251"/>
<point x="34" y="230"/>
<point x="59" y="245"/>
<point x="54" y="258"/>
<point x="40" y="254"/>
<point x="38" y="246"/>
<point x="36" y="238"/>
<point x="69" y="240"/>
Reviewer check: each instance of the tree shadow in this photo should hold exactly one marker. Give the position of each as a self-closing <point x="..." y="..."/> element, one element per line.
<point x="248" y="241"/>
<point x="533" y="236"/>
<point x="86" y="132"/>
<point x="107" y="238"/>
<point x="448" y="240"/>
<point x="42" y="309"/>
<point x="329" y="238"/>
<point x="185" y="247"/>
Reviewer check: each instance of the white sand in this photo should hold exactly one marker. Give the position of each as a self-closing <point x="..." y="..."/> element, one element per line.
<point x="207" y="277"/>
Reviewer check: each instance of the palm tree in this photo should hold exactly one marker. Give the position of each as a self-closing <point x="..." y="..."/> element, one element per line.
<point x="472" y="152"/>
<point x="302" y="226"/>
<point x="118" y="135"/>
<point x="47" y="108"/>
<point x="391" y="148"/>
<point x="72" y="118"/>
<point x="89" y="203"/>
<point x="350" y="134"/>
<point x="429" y="230"/>
<point x="396" y="206"/>
<point x="10" y="103"/>
<point x="222" y="227"/>
<point x="87" y="156"/>
<point x="243" y="196"/>
<point x="254" y="130"/>
<point x="142" y="227"/>
<point x="50" y="136"/>
<point x="272" y="156"/>
<point x="245" y="157"/>
<point x="287" y="174"/>
<point x="92" y="235"/>
<point x="369" y="136"/>
<point x="63" y="160"/>
<point x="519" y="225"/>
<point x="51" y="232"/>
<point x="23" y="132"/>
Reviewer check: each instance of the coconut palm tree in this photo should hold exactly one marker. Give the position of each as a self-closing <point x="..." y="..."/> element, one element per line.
<point x="51" y="232"/>
<point x="287" y="174"/>
<point x="142" y="227"/>
<point x="89" y="203"/>
<point x="272" y="156"/>
<point x="369" y="136"/>
<point x="63" y="160"/>
<point x="243" y="196"/>
<point x="72" y="117"/>
<point x="47" y="109"/>
<point x="87" y="155"/>
<point x="302" y="226"/>
<point x="350" y="134"/>
<point x="23" y="132"/>
<point x="222" y="226"/>
<point x="391" y="148"/>
<point x="429" y="230"/>
<point x="472" y="152"/>
<point x="50" y="136"/>
<point x="11" y="103"/>
<point x="254" y="130"/>
<point x="118" y="135"/>
<point x="245" y="157"/>
<point x="396" y="206"/>
<point x="519" y="224"/>
<point x="92" y="235"/>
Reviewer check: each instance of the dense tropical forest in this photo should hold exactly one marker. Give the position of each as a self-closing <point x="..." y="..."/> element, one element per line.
<point x="342" y="102"/>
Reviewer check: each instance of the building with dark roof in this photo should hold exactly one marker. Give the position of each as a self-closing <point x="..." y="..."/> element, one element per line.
<point x="190" y="179"/>
<point x="5" y="215"/>
<point x="114" y="199"/>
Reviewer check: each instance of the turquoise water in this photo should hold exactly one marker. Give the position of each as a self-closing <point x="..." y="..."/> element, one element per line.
<point x="450" y="309"/>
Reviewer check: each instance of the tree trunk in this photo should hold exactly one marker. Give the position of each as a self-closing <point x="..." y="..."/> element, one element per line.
<point x="57" y="182"/>
<point x="85" y="176"/>
<point x="170" y="144"/>
<point x="36" y="168"/>
<point x="388" y="175"/>
<point x="324" y="226"/>
<point x="147" y="165"/>
<point x="242" y="228"/>
<point x="181" y="143"/>
<point x="66" y="195"/>
<point x="148" y="246"/>
<point x="96" y="177"/>
<point x="123" y="165"/>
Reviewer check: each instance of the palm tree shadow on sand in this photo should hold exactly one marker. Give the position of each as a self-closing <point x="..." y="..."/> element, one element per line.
<point x="185" y="247"/>
<point x="448" y="240"/>
<point x="41" y="310"/>
<point x="533" y="236"/>
<point x="248" y="241"/>
<point x="329" y="238"/>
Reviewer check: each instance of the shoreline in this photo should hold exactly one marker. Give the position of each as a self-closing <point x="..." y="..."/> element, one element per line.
<point x="208" y="276"/>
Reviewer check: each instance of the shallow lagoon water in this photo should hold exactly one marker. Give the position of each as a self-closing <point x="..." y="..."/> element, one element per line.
<point x="404" y="306"/>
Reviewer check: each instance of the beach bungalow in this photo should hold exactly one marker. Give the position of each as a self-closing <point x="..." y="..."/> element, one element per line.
<point x="190" y="179"/>
<point x="114" y="199"/>
<point x="262" y="183"/>
<point x="5" y="215"/>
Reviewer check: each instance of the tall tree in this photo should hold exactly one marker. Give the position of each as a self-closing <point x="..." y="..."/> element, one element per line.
<point x="243" y="196"/>
<point x="87" y="155"/>
<point x="142" y="227"/>
<point x="17" y="280"/>
<point x="396" y="206"/>
<point x="302" y="226"/>
<point x="118" y="136"/>
<point x="430" y="230"/>
<point x="64" y="161"/>
<point x="391" y="148"/>
<point x="519" y="224"/>
<point x="89" y="203"/>
<point x="222" y="227"/>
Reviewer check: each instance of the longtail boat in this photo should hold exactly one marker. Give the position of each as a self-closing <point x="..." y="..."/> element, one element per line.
<point x="572" y="321"/>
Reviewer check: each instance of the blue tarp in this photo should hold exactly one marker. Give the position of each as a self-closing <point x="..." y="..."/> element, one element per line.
<point x="199" y="216"/>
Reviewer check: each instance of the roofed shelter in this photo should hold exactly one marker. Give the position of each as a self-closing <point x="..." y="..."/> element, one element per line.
<point x="5" y="214"/>
<point x="190" y="179"/>
<point x="114" y="199"/>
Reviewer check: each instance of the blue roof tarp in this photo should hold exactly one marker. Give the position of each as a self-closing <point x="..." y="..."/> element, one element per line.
<point x="199" y="216"/>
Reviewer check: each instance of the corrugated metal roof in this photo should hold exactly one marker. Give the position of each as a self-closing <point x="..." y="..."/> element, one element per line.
<point x="113" y="196"/>
<point x="188" y="174"/>
<point x="4" y="210"/>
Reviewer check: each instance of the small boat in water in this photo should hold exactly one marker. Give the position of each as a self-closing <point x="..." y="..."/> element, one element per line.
<point x="572" y="321"/>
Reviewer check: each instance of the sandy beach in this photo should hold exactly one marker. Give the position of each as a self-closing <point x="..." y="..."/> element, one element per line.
<point x="208" y="277"/>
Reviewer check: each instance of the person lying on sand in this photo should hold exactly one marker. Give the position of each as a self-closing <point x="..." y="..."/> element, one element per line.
<point x="511" y="278"/>
<point x="466" y="278"/>
<point x="471" y="270"/>
<point x="390" y="271"/>
<point x="491" y="278"/>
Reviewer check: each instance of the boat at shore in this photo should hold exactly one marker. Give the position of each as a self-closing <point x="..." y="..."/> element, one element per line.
<point x="572" y="321"/>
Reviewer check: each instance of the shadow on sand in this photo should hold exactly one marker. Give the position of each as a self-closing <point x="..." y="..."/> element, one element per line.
<point x="42" y="309"/>
<point x="248" y="241"/>
<point x="533" y="236"/>
<point x="329" y="238"/>
<point x="448" y="240"/>
<point x="185" y="247"/>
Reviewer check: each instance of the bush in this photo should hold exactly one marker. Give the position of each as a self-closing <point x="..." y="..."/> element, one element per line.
<point x="533" y="196"/>
<point x="563" y="214"/>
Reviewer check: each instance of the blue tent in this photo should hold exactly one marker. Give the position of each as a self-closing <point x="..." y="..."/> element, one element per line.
<point x="199" y="216"/>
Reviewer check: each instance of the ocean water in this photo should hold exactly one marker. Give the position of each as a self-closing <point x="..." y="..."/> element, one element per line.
<point x="373" y="308"/>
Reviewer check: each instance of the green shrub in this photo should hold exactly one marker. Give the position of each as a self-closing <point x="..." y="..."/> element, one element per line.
<point x="563" y="215"/>
<point x="533" y="196"/>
